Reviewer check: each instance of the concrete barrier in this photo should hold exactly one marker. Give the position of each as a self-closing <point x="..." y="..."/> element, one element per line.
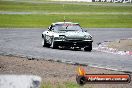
<point x="19" y="81"/>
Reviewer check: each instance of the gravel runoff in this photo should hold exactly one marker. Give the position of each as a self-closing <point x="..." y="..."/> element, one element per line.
<point x="51" y="72"/>
<point x="120" y="46"/>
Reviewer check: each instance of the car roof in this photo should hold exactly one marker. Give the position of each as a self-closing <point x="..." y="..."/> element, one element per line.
<point x="64" y="23"/>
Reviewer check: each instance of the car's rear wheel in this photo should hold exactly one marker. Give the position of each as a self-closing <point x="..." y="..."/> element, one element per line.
<point x="88" y="48"/>
<point x="54" y="45"/>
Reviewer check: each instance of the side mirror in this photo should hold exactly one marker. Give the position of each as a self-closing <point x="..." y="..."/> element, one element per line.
<point x="85" y="30"/>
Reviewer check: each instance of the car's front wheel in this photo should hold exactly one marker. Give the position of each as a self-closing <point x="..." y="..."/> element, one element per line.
<point x="88" y="48"/>
<point x="54" y="45"/>
<point x="44" y="44"/>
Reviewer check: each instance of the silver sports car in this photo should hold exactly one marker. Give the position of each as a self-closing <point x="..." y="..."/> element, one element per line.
<point x="67" y="34"/>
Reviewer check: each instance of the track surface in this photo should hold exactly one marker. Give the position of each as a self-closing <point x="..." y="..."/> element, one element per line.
<point x="27" y="43"/>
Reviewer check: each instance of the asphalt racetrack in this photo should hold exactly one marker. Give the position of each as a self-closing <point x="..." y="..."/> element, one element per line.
<point x="27" y="43"/>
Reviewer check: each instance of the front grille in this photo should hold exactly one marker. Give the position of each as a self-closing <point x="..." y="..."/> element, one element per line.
<point x="74" y="40"/>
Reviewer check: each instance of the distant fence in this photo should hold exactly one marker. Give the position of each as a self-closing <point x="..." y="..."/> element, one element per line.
<point x="114" y="1"/>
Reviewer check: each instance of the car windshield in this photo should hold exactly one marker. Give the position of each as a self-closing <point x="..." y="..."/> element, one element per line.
<point x="67" y="27"/>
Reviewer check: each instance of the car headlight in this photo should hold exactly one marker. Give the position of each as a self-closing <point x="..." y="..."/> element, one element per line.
<point x="88" y="37"/>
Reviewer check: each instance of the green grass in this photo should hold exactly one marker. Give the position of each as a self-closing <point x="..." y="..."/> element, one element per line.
<point x="92" y="21"/>
<point x="60" y="85"/>
<point x="97" y="15"/>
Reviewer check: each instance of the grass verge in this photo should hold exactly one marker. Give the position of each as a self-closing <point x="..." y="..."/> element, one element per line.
<point x="60" y="85"/>
<point x="97" y="15"/>
<point x="92" y="21"/>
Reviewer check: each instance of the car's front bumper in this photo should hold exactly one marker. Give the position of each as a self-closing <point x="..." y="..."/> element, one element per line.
<point x="74" y="43"/>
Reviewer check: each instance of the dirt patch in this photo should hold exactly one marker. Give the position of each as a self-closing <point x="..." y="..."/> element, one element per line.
<point x="121" y="45"/>
<point x="50" y="71"/>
